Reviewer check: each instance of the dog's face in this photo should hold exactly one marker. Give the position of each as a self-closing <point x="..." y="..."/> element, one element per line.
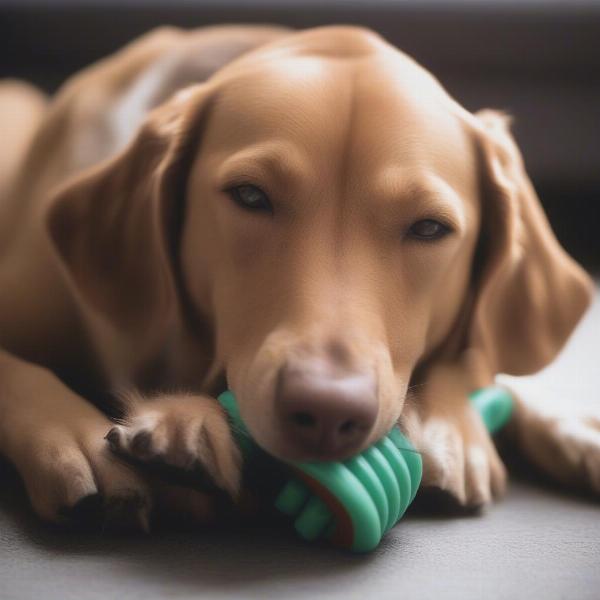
<point x="332" y="216"/>
<point x="333" y="205"/>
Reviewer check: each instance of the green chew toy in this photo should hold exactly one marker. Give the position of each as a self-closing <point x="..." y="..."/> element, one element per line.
<point x="355" y="502"/>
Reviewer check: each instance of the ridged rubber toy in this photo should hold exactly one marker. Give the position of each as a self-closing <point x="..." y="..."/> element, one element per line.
<point x="355" y="502"/>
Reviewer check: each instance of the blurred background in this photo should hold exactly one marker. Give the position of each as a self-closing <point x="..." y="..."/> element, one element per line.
<point x="538" y="60"/>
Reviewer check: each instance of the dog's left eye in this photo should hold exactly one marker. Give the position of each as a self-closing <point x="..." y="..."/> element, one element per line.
<point x="251" y="197"/>
<point x="428" y="229"/>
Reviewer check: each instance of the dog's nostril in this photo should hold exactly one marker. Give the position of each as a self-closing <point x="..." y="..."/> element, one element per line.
<point x="324" y="411"/>
<point x="348" y="427"/>
<point x="304" y="419"/>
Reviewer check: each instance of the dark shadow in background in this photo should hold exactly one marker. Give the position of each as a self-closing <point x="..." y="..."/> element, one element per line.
<point x="539" y="62"/>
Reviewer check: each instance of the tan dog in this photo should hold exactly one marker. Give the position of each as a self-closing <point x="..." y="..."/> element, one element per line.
<point x="316" y="222"/>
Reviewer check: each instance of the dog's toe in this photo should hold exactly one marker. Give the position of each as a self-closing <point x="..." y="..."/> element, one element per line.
<point x="141" y="444"/>
<point x="460" y="459"/>
<point x="186" y="433"/>
<point x="74" y="481"/>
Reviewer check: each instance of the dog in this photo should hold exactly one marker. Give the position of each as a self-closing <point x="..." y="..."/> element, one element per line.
<point x="306" y="218"/>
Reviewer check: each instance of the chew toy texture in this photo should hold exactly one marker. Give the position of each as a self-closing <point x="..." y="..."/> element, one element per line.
<point x="355" y="502"/>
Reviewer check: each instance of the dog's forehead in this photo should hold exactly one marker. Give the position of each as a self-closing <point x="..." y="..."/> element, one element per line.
<point x="286" y="96"/>
<point x="376" y="109"/>
<point x="403" y="117"/>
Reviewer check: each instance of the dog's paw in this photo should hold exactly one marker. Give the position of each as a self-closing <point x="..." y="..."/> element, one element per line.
<point x="565" y="444"/>
<point x="189" y="433"/>
<point x="459" y="456"/>
<point x="72" y="478"/>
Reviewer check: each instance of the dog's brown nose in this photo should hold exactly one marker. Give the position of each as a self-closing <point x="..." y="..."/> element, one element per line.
<point x="325" y="415"/>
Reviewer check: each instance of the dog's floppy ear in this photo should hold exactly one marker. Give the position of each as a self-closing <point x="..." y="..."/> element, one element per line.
<point x="529" y="293"/>
<point x="113" y="225"/>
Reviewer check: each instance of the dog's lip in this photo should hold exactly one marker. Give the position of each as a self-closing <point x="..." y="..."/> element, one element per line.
<point x="318" y="455"/>
<point x="321" y="458"/>
<point x="219" y="387"/>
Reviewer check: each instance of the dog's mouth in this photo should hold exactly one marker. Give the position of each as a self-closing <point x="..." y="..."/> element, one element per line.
<point x="315" y="416"/>
<point x="325" y="452"/>
<point x="217" y="385"/>
<point x="306" y="398"/>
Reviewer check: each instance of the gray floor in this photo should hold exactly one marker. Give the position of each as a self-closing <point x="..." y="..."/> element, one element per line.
<point x="540" y="542"/>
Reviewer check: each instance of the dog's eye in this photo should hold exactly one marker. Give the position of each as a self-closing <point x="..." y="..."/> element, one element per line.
<point x="428" y="229"/>
<point x="251" y="197"/>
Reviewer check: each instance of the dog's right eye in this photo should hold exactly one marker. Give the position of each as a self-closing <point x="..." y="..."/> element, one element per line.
<point x="428" y="230"/>
<point x="250" y="197"/>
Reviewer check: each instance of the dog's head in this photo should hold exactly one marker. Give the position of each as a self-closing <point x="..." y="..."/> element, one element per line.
<point x="336" y="220"/>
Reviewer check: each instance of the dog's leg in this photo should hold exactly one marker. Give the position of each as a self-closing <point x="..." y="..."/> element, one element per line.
<point x="459" y="456"/>
<point x="55" y="439"/>
<point x="562" y="438"/>
<point x="186" y="432"/>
